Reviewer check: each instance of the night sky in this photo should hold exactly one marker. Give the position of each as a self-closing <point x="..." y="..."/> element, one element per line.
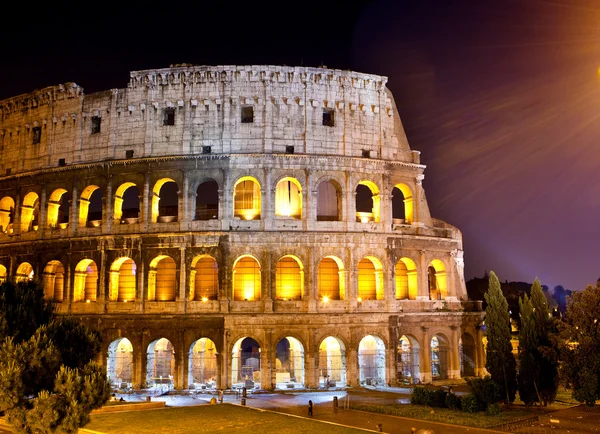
<point x="502" y="97"/>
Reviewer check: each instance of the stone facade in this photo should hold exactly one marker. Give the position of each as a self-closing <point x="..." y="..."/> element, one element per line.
<point x="319" y="228"/>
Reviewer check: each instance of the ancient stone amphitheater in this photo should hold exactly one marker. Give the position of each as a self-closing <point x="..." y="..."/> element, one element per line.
<point x="229" y="226"/>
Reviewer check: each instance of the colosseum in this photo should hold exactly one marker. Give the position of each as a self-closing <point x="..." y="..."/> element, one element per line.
<point x="237" y="226"/>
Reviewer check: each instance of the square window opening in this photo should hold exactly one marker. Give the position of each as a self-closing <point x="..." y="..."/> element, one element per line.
<point x="328" y="118"/>
<point x="96" y="121"/>
<point x="247" y="114"/>
<point x="129" y="153"/>
<point x="169" y="116"/>
<point x="206" y="149"/>
<point x="37" y="135"/>
<point x="61" y="162"/>
<point x="289" y="149"/>
<point x="366" y="153"/>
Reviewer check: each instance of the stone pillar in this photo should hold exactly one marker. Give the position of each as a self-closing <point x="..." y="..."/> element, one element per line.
<point x="454" y="362"/>
<point x="423" y="285"/>
<point x="138" y="363"/>
<point x="183" y="214"/>
<point x="390" y="365"/>
<point x="102" y="273"/>
<point x="179" y="376"/>
<point x="181" y="297"/>
<point x="266" y="371"/>
<point x="224" y="358"/>
<point x="425" y="357"/>
<point x="352" y="368"/>
<point x="107" y="207"/>
<point x="479" y="353"/>
<point x="16" y="217"/>
<point x="74" y="212"/>
<point x="146" y="202"/>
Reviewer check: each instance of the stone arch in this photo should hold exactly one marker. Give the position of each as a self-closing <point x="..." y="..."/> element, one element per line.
<point x="207" y="200"/>
<point x="162" y="279"/>
<point x="247" y="199"/>
<point x="288" y="198"/>
<point x="203" y="368"/>
<point x="289" y="278"/>
<point x="2" y="274"/>
<point x="331" y="284"/>
<point x="246" y="279"/>
<point x="332" y="362"/>
<point x="436" y="277"/>
<point x="329" y="200"/>
<point x="402" y="204"/>
<point x="122" y="284"/>
<point x="58" y="209"/>
<point x="54" y="281"/>
<point x="119" y="363"/>
<point x="30" y="212"/>
<point x="467" y="355"/>
<point x="24" y="272"/>
<point x="440" y="354"/>
<point x="408" y="369"/>
<point x="164" y="201"/>
<point x="160" y="367"/>
<point x="85" y="283"/>
<point x="245" y="363"/>
<point x="367" y="202"/>
<point x="7" y="214"/>
<point x="90" y="207"/>
<point x="204" y="278"/>
<point x="370" y="279"/>
<point x="289" y="363"/>
<point x="406" y="279"/>
<point x="371" y="361"/>
<point x="127" y="203"/>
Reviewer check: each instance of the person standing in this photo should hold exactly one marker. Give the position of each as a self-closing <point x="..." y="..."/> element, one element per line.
<point x="310" y="408"/>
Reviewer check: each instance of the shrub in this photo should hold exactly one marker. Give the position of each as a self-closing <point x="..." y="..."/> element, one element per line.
<point x="439" y="398"/>
<point x="493" y="409"/>
<point x="469" y="404"/>
<point x="452" y="401"/>
<point x="421" y="396"/>
<point x="485" y="390"/>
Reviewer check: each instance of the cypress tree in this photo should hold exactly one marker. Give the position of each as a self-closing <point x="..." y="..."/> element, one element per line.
<point x="500" y="361"/>
<point x="528" y="357"/>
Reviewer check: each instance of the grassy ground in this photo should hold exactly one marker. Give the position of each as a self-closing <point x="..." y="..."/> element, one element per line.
<point x="221" y="418"/>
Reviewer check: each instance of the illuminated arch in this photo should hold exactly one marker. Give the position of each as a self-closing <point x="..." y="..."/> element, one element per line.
<point x="408" y="371"/>
<point x="402" y="203"/>
<point x="288" y="198"/>
<point x="246" y="279"/>
<point x="289" y="363"/>
<point x="371" y="361"/>
<point x="367" y="202"/>
<point x="160" y="366"/>
<point x="2" y="274"/>
<point x="203" y="369"/>
<point x="207" y="201"/>
<point x="132" y="212"/>
<point x="245" y="362"/>
<point x="54" y="281"/>
<point x="24" y="272"/>
<point x="164" y="212"/>
<point x="29" y="212"/>
<point x="247" y="199"/>
<point x="90" y="197"/>
<point x="436" y="277"/>
<point x="85" y="283"/>
<point x="162" y="281"/>
<point x="406" y="279"/>
<point x="204" y="278"/>
<point x="329" y="201"/>
<point x="119" y="363"/>
<point x="7" y="213"/>
<point x="58" y="208"/>
<point x="370" y="279"/>
<point x="122" y="284"/>
<point x="289" y="279"/>
<point x="439" y="357"/>
<point x="332" y="363"/>
<point x="332" y="284"/>
<point x="467" y="355"/>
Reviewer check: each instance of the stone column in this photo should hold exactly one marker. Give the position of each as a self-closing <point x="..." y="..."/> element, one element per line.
<point x="107" y="207"/>
<point x="183" y="214"/>
<point x="423" y="285"/>
<point x="266" y="371"/>
<point x="179" y="376"/>
<point x="311" y="368"/>
<point x="425" y="357"/>
<point x="390" y="365"/>
<point x="454" y="365"/>
<point x="181" y="296"/>
<point x="138" y="363"/>
<point x="224" y="358"/>
<point x="146" y="202"/>
<point x="352" y="368"/>
<point x="74" y="212"/>
<point x="479" y="352"/>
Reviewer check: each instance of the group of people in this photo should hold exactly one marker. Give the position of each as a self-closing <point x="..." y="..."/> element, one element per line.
<point x="113" y="398"/>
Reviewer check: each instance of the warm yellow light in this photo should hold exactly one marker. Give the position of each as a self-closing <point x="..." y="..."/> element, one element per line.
<point x="124" y="301"/>
<point x="325" y="299"/>
<point x="204" y="299"/>
<point x="359" y="299"/>
<point x="249" y="214"/>
<point x="88" y="301"/>
<point x="249" y="288"/>
<point x="365" y="217"/>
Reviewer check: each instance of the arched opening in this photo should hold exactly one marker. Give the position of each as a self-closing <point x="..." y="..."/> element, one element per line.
<point x="288" y="198"/>
<point x="7" y="214"/>
<point x="29" y="212"/>
<point x="24" y="272"/>
<point x="332" y="363"/>
<point x="408" y="361"/>
<point x="402" y="204"/>
<point x="203" y="365"/>
<point x="289" y="364"/>
<point x="161" y="364"/>
<point x="332" y="285"/>
<point x="246" y="279"/>
<point x="119" y="363"/>
<point x="207" y="201"/>
<point x="245" y="364"/>
<point x="2" y="274"/>
<point x="90" y="207"/>
<point x="406" y="279"/>
<point x="467" y="355"/>
<point x="289" y="279"/>
<point x="204" y="279"/>
<point x="329" y="202"/>
<point x="165" y="197"/>
<point x="367" y="202"/>
<point x="85" y="283"/>
<point x="370" y="279"/>
<point x="246" y="199"/>
<point x="162" y="279"/>
<point x="371" y="361"/>
<point x="436" y="276"/>
<point x="122" y="285"/>
<point x="127" y="203"/>
<point x="54" y="281"/>
<point x="58" y="209"/>
<point x="439" y="357"/>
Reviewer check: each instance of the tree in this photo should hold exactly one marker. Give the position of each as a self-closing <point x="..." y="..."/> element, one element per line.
<point x="500" y="361"/>
<point x="48" y="379"/>
<point x="580" y="345"/>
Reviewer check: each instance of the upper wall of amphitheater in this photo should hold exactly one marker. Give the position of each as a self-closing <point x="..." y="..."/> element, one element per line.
<point x="186" y="110"/>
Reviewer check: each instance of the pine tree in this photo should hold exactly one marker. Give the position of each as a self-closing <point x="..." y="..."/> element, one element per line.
<point x="500" y="361"/>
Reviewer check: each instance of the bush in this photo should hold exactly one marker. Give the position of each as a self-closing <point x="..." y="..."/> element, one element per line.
<point x="453" y="401"/>
<point x="439" y="398"/>
<point x="485" y="390"/>
<point x="469" y="403"/>
<point x="493" y="409"/>
<point x="421" y="396"/>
